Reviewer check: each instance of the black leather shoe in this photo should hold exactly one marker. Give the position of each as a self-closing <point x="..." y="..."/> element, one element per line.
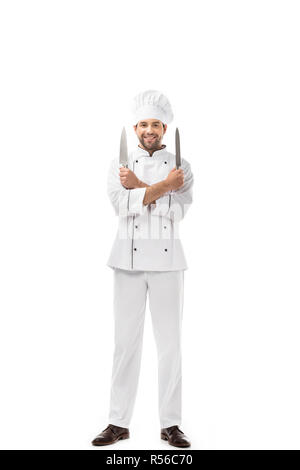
<point x="110" y="435"/>
<point x="175" y="437"/>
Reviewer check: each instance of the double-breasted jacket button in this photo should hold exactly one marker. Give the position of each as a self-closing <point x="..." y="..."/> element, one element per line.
<point x="136" y="226"/>
<point x="136" y="161"/>
<point x="165" y="162"/>
<point x="134" y="249"/>
<point x="165" y="226"/>
<point x="166" y="249"/>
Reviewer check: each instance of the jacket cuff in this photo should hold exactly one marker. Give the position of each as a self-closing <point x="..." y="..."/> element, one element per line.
<point x="162" y="205"/>
<point x="135" y="201"/>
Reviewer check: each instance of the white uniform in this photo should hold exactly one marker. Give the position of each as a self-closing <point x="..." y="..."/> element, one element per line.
<point x="147" y="257"/>
<point x="148" y="236"/>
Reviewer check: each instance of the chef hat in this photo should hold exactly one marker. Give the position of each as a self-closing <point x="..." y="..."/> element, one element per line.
<point x="151" y="104"/>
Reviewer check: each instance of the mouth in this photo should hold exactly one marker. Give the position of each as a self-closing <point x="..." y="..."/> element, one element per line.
<point x="149" y="139"/>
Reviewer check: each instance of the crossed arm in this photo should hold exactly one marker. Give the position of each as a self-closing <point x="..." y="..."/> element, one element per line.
<point x="131" y="196"/>
<point x="130" y="181"/>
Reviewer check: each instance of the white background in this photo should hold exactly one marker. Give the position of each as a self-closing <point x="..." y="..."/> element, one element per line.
<point x="68" y="72"/>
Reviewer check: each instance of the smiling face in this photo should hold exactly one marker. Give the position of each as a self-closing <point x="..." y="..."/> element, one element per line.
<point x="150" y="133"/>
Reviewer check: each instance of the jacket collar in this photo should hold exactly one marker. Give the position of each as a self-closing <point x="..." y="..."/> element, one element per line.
<point x="139" y="152"/>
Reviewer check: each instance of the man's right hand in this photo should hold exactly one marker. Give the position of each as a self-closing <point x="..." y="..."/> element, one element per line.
<point x="175" y="179"/>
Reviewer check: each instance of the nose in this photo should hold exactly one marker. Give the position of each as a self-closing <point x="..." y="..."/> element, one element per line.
<point x="149" y="131"/>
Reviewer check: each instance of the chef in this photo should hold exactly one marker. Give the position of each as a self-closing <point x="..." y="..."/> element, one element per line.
<point x="150" y="196"/>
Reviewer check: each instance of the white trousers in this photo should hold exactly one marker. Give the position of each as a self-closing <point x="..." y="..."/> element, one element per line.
<point x="165" y="289"/>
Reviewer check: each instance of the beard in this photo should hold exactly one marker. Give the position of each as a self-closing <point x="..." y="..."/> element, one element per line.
<point x="155" y="144"/>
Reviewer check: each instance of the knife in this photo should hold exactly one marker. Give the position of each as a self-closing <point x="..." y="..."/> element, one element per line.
<point x="123" y="149"/>
<point x="177" y="143"/>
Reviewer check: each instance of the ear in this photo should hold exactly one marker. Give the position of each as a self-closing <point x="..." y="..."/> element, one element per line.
<point x="165" y="128"/>
<point x="135" y="127"/>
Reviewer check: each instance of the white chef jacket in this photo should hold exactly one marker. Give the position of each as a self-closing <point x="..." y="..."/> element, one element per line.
<point x="148" y="235"/>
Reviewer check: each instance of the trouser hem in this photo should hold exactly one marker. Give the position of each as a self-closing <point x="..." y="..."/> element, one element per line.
<point x="121" y="424"/>
<point x="167" y="424"/>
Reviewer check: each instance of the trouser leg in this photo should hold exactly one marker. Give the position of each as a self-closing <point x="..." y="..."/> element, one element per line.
<point x="166" y="306"/>
<point x="130" y="293"/>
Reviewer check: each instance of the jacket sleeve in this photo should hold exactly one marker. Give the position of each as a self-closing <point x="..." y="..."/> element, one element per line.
<point x="125" y="201"/>
<point x="175" y="204"/>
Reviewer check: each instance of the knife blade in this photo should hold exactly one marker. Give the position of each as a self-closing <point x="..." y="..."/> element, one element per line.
<point x="123" y="159"/>
<point x="177" y="144"/>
